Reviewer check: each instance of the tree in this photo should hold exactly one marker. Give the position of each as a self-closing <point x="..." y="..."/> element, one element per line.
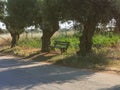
<point x="14" y="28"/>
<point x="47" y="14"/>
<point x="89" y="13"/>
<point x="20" y="15"/>
<point x="1" y="10"/>
<point x="48" y="20"/>
<point x="100" y="12"/>
<point x="116" y="14"/>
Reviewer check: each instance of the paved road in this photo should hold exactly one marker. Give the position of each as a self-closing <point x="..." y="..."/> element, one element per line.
<point x="16" y="74"/>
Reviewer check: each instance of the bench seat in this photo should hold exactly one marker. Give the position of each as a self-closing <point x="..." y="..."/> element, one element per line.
<point x="62" y="45"/>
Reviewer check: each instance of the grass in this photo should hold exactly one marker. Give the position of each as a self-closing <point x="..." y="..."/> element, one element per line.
<point x="99" y="60"/>
<point x="105" y="40"/>
<point x="74" y="42"/>
<point x="32" y="43"/>
<point x="19" y="51"/>
<point x="92" y="61"/>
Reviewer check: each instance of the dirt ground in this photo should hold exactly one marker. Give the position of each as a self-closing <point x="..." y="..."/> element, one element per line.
<point x="19" y="74"/>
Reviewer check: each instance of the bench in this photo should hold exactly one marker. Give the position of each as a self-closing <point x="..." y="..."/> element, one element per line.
<point x="63" y="46"/>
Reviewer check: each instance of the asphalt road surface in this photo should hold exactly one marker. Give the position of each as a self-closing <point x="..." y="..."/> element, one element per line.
<point x="16" y="74"/>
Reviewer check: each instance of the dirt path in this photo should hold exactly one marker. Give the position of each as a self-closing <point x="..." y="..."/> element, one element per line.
<point x="16" y="74"/>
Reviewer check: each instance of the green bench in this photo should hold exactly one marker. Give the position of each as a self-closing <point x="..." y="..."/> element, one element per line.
<point x="62" y="45"/>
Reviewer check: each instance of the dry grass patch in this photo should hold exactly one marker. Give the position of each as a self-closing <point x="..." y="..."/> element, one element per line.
<point x="4" y="40"/>
<point x="20" y="51"/>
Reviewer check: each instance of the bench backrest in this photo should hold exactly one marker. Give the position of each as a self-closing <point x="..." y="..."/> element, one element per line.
<point x="61" y="44"/>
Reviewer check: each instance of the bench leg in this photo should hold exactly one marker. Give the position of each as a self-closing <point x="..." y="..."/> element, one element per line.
<point x="62" y="50"/>
<point x="52" y="48"/>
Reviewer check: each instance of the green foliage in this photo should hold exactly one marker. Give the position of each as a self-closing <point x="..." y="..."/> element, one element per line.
<point x="81" y="10"/>
<point x="1" y="9"/>
<point x="105" y="40"/>
<point x="20" y="14"/>
<point x="98" y="41"/>
<point x="22" y="11"/>
<point x="74" y="42"/>
<point x="33" y="43"/>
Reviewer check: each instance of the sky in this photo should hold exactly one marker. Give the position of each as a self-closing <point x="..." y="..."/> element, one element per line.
<point x="2" y="26"/>
<point x="65" y="25"/>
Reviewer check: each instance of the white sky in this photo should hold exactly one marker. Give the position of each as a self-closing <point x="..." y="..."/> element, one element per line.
<point x="65" y="25"/>
<point x="2" y="26"/>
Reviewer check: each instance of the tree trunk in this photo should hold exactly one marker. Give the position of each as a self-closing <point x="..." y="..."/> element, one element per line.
<point x="86" y="38"/>
<point x="47" y="34"/>
<point x="117" y="28"/>
<point x="15" y="38"/>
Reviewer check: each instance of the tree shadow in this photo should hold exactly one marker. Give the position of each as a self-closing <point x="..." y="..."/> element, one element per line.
<point x="113" y="58"/>
<point x="2" y="50"/>
<point x="112" y="88"/>
<point x="38" y="56"/>
<point x="30" y="75"/>
<point x="12" y="61"/>
<point x="7" y="51"/>
<point x="35" y="57"/>
<point x="92" y="61"/>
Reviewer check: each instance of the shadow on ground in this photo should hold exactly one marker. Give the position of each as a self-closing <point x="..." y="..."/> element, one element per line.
<point x="38" y="56"/>
<point x="19" y="76"/>
<point x="92" y="61"/>
<point x="112" y="88"/>
<point x="16" y="74"/>
<point x="11" y="61"/>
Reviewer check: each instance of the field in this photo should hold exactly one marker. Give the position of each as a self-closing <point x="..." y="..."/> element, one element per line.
<point x="106" y="50"/>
